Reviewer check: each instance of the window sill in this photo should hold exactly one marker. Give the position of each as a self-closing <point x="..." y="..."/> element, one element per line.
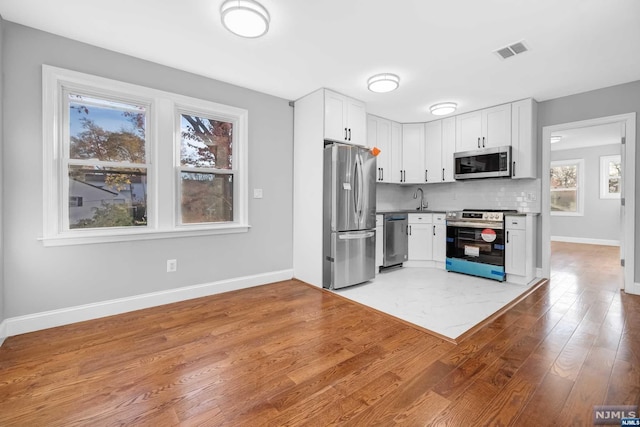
<point x="555" y="213"/>
<point x="89" y="239"/>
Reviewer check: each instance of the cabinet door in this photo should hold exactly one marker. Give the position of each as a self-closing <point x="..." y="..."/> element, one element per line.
<point x="469" y="131"/>
<point x="515" y="252"/>
<point x="335" y="113"/>
<point x="439" y="242"/>
<point x="448" y="147"/>
<point x="496" y="126"/>
<point x="523" y="137"/>
<point x="433" y="151"/>
<point x="413" y="153"/>
<point x="420" y="242"/>
<point x="396" y="154"/>
<point x="379" y="135"/>
<point x="356" y="122"/>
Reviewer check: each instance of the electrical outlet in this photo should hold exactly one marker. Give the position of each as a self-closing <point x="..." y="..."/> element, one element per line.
<point x="531" y="197"/>
<point x="257" y="193"/>
<point x="172" y="265"/>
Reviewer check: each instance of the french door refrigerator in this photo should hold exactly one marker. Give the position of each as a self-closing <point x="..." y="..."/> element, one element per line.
<point x="349" y="203"/>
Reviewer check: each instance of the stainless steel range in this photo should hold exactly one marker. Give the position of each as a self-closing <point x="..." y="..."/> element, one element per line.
<point x="475" y="242"/>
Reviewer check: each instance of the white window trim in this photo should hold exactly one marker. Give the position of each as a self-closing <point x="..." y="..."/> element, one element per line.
<point x="162" y="190"/>
<point x="604" y="176"/>
<point x="580" y="189"/>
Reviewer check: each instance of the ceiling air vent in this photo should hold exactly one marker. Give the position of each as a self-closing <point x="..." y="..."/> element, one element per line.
<point x="512" y="50"/>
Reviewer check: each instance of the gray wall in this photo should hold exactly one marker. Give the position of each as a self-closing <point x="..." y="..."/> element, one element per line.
<point x="611" y="101"/>
<point x="39" y="278"/>
<point x="601" y="219"/>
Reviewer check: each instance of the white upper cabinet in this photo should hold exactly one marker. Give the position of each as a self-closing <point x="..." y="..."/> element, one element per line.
<point x="524" y="117"/>
<point x="396" y="153"/>
<point x="486" y="128"/>
<point x="433" y="152"/>
<point x="379" y="135"/>
<point x="345" y="119"/>
<point x="412" y="153"/>
<point x="439" y="148"/>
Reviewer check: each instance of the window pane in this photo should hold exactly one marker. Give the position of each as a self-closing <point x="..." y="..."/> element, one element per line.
<point x="206" y="197"/>
<point x="564" y="200"/>
<point x="107" y="197"/>
<point x="564" y="176"/>
<point x="105" y="130"/>
<point x="205" y="143"/>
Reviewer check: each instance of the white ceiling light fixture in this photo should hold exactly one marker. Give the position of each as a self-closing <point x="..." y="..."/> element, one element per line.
<point x="385" y="82"/>
<point x="443" y="108"/>
<point x="556" y="138"/>
<point x="245" y="18"/>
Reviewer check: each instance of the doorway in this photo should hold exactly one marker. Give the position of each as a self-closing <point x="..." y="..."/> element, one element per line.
<point x="626" y="126"/>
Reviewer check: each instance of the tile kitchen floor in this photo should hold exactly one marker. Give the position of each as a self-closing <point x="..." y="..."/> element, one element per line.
<point x="446" y="303"/>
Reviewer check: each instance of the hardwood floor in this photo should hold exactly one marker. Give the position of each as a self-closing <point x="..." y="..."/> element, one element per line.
<point x="291" y="354"/>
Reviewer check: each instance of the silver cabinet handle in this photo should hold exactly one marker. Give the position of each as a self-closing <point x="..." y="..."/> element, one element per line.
<point x="483" y="142"/>
<point x="478" y="142"/>
<point x="345" y="134"/>
<point x="443" y="174"/>
<point x="513" y="171"/>
<point x="426" y="175"/>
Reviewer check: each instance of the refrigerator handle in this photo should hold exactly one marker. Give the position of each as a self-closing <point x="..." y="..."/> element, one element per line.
<point x="360" y="187"/>
<point x="356" y="188"/>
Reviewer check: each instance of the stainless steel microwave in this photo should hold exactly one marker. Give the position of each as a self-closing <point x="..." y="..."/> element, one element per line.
<point x="492" y="162"/>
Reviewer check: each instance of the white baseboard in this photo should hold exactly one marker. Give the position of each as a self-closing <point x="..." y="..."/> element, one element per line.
<point x="49" y="319"/>
<point x="3" y="331"/>
<point x="586" y="241"/>
<point x="538" y="272"/>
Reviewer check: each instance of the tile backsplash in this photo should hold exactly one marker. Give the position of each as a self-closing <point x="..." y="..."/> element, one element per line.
<point x="520" y="194"/>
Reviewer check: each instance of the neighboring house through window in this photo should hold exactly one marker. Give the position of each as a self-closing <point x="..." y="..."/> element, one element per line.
<point x="126" y="162"/>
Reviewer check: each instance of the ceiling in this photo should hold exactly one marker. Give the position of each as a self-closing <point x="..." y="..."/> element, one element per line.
<point x="442" y="51"/>
<point x="588" y="136"/>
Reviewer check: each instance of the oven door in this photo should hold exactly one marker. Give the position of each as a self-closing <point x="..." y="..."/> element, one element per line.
<point x="476" y="242"/>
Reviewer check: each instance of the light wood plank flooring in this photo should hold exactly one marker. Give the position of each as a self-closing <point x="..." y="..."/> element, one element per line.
<point x="291" y="354"/>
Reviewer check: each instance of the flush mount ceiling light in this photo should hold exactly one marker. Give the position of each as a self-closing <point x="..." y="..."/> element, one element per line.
<point x="556" y="138"/>
<point x="443" y="108"/>
<point x="384" y="82"/>
<point x="245" y="18"/>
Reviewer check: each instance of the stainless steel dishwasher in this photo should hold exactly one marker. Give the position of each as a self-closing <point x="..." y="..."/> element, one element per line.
<point x="395" y="239"/>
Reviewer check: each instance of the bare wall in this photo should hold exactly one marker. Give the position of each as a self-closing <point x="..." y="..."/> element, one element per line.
<point x="39" y="278"/>
<point x="601" y="219"/>
<point x="2" y="316"/>
<point x="610" y="101"/>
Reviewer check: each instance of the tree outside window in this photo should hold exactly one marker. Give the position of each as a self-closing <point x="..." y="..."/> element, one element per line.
<point x="206" y="169"/>
<point x="610" y="177"/>
<point x="566" y="179"/>
<point x="106" y="164"/>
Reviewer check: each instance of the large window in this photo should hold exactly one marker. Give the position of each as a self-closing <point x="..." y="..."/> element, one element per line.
<point x="610" y="177"/>
<point x="567" y="189"/>
<point x="105" y="160"/>
<point x="124" y="162"/>
<point x="206" y="169"/>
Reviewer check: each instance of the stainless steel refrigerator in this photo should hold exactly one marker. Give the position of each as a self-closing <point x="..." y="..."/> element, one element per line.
<point x="349" y="205"/>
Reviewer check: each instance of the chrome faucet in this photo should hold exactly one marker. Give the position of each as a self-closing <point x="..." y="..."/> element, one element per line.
<point x="423" y="205"/>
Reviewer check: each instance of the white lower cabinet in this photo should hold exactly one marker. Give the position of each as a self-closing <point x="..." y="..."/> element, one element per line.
<point x="379" y="241"/>
<point x="439" y="238"/>
<point x="427" y="240"/>
<point x="519" y="248"/>
<point x="420" y="237"/>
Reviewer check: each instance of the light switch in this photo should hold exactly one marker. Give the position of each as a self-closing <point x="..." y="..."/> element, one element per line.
<point x="257" y="193"/>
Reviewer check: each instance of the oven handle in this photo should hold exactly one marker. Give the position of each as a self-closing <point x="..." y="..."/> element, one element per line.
<point x="464" y="224"/>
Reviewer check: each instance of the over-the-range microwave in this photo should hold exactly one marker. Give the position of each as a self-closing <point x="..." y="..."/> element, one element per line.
<point x="492" y="162"/>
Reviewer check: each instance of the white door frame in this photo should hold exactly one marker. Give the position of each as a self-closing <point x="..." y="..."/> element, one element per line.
<point x="628" y="192"/>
